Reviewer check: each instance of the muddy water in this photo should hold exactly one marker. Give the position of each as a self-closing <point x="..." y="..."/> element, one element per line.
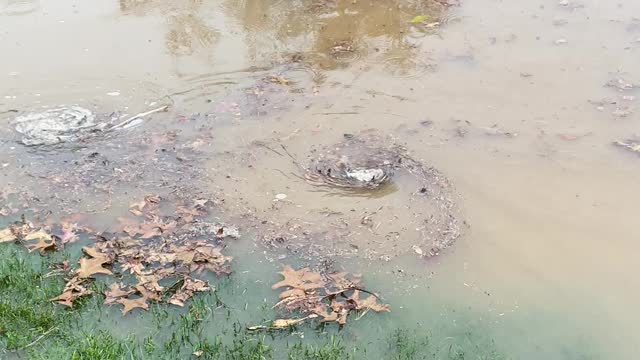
<point x="506" y="99"/>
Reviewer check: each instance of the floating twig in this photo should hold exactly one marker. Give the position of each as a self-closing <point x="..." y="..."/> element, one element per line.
<point x="138" y="116"/>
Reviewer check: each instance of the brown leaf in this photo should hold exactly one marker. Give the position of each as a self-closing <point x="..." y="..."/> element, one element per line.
<point x="179" y="298"/>
<point x="6" y="235"/>
<point x="371" y="302"/>
<point x="44" y="241"/>
<point x="73" y="289"/>
<point x="130" y="304"/>
<point x="134" y="266"/>
<point x="278" y="80"/>
<point x="137" y="206"/>
<point x="283" y="323"/>
<point x="188" y="288"/>
<point x="152" y="199"/>
<point x="94" y="252"/>
<point x="148" y="294"/>
<point x="303" y="279"/>
<point x="68" y="232"/>
<point x="115" y="292"/>
<point x="92" y="266"/>
<point x="328" y="315"/>
<point x="149" y="230"/>
<point x="200" y="202"/>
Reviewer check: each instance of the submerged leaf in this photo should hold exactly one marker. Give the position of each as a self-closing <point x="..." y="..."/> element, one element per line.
<point x="130" y="304"/>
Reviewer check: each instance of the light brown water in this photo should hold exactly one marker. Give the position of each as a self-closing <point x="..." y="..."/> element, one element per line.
<point x="510" y="90"/>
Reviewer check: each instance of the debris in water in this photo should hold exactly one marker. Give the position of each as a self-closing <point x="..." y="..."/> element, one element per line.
<point x="494" y="130"/>
<point x="279" y="80"/>
<point x="620" y="84"/>
<point x="65" y="124"/>
<point x="629" y="144"/>
<point x="419" y="19"/>
<point x="55" y="125"/>
<point x="622" y="111"/>
<point x="572" y="137"/>
<point x="342" y="47"/>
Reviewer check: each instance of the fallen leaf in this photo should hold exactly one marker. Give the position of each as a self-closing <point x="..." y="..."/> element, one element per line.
<point x="92" y="266"/>
<point x="279" y="80"/>
<point x="44" y="241"/>
<point x="371" y="302"/>
<point x="6" y="235"/>
<point x="115" y="292"/>
<point x="73" y="290"/>
<point x="303" y="279"/>
<point x="130" y="304"/>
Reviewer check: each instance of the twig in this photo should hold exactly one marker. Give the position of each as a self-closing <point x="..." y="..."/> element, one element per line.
<point x="53" y="273"/>
<point x="138" y="116"/>
<point x="262" y="144"/>
<point x="40" y="337"/>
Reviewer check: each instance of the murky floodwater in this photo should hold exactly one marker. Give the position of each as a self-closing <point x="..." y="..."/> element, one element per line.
<point x="508" y="100"/>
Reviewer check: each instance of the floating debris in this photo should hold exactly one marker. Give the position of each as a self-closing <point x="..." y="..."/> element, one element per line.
<point x="57" y="125"/>
<point x="620" y="84"/>
<point x="629" y="144"/>
<point x="65" y="124"/>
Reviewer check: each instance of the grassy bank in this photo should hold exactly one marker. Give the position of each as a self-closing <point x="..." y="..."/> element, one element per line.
<point x="32" y="327"/>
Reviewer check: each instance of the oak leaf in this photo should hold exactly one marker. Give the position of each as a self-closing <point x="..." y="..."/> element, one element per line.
<point x="115" y="292"/>
<point x="303" y="279"/>
<point x="130" y="304"/>
<point x="371" y="302"/>
<point x="92" y="266"/>
<point x="73" y="289"/>
<point x="44" y="241"/>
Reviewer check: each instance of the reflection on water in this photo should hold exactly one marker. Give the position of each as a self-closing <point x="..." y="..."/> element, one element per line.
<point x="187" y="31"/>
<point x="324" y="34"/>
<point x="336" y="33"/>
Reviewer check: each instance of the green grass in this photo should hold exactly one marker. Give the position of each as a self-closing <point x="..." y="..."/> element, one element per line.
<point x="25" y="312"/>
<point x="31" y="327"/>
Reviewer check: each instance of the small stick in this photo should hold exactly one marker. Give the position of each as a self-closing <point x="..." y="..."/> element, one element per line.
<point x="40" y="337"/>
<point x="138" y="116"/>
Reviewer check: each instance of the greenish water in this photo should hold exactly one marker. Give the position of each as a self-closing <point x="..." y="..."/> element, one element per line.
<point x="422" y="325"/>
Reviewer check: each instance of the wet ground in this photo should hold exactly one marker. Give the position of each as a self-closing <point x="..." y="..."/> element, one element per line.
<point x="517" y="106"/>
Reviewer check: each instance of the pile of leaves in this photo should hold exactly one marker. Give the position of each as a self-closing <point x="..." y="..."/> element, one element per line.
<point x="149" y="249"/>
<point x="331" y="297"/>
